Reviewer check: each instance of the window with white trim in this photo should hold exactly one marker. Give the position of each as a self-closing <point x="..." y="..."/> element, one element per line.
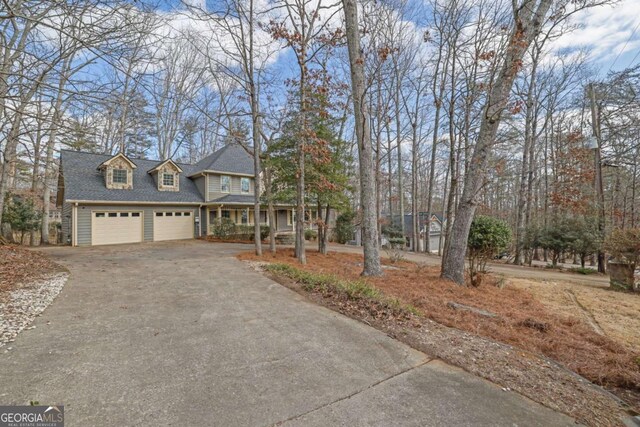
<point x="119" y="176"/>
<point x="225" y="184"/>
<point x="168" y="179"/>
<point x="245" y="185"/>
<point x="291" y="217"/>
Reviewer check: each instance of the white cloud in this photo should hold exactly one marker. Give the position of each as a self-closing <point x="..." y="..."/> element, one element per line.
<point x="606" y="31"/>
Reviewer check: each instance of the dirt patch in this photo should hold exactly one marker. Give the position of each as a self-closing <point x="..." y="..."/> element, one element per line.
<point x="19" y="267"/>
<point x="530" y="329"/>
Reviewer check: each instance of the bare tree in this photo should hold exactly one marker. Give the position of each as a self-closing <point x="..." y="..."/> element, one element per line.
<point x="369" y="225"/>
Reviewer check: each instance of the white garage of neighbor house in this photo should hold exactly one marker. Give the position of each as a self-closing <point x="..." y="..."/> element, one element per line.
<point x="114" y="199"/>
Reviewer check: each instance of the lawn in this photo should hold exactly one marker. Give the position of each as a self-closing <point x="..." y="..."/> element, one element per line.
<point x="586" y="338"/>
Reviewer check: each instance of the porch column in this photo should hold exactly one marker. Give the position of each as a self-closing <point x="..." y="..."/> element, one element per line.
<point x="249" y="216"/>
<point x="205" y="222"/>
<point x="220" y="212"/>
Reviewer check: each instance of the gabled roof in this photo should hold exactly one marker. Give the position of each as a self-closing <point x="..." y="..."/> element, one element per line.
<point x="162" y="163"/>
<point x="231" y="158"/>
<point x="82" y="181"/>
<point x="119" y="155"/>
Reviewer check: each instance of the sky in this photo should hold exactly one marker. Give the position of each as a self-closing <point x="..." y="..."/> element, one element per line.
<point x="612" y="32"/>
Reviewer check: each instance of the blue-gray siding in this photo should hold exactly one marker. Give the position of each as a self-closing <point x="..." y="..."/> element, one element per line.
<point x="66" y="223"/>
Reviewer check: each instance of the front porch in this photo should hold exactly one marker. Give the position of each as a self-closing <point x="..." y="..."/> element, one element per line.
<point x="244" y="215"/>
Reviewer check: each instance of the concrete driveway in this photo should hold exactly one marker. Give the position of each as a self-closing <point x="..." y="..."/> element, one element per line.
<point x="183" y="334"/>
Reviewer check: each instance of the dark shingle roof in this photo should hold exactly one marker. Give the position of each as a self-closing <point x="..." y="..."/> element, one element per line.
<point x="231" y="158"/>
<point x="82" y="181"/>
<point x="235" y="198"/>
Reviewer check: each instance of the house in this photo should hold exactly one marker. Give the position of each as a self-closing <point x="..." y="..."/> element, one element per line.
<point x="108" y="199"/>
<point x="436" y="232"/>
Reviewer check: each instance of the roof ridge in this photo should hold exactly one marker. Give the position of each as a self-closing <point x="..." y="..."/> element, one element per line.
<point x="129" y="157"/>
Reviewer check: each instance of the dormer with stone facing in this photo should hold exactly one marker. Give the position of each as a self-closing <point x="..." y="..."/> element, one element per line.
<point x="118" y="172"/>
<point x="166" y="175"/>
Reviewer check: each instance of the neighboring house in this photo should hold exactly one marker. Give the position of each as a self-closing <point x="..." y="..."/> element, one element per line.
<point x="435" y="231"/>
<point x="115" y="199"/>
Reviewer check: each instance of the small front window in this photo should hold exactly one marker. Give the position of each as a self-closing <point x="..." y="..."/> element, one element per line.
<point x="119" y="176"/>
<point x="245" y="217"/>
<point x="226" y="214"/>
<point x="168" y="179"/>
<point x="245" y="185"/>
<point x="225" y="184"/>
<point x="113" y="214"/>
<point x="100" y="215"/>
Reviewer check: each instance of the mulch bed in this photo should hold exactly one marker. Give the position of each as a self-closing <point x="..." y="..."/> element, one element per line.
<point x="517" y="348"/>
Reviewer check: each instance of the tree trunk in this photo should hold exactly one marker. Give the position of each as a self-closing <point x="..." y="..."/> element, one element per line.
<point x="528" y="24"/>
<point x="271" y="212"/>
<point x="369" y="224"/>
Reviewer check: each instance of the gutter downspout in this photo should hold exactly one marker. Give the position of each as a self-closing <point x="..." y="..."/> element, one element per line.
<point x="74" y="218"/>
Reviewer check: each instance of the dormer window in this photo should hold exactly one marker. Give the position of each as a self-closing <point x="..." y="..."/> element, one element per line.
<point x="119" y="176"/>
<point x="166" y="175"/>
<point x="118" y="172"/>
<point x="168" y="179"/>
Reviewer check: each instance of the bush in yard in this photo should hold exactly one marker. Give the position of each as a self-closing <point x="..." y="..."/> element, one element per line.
<point x="391" y="231"/>
<point x="344" y="227"/>
<point x="624" y="245"/>
<point x="557" y="237"/>
<point x="586" y="240"/>
<point x="265" y="230"/>
<point x="21" y="215"/>
<point x="488" y="237"/>
<point x="310" y="234"/>
<point x="223" y="228"/>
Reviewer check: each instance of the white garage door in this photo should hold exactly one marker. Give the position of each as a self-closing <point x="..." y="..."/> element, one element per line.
<point x="110" y="228"/>
<point x="172" y="225"/>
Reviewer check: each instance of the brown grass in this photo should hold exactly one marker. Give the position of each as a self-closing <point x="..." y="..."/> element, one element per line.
<point x="522" y="320"/>
<point x="617" y="313"/>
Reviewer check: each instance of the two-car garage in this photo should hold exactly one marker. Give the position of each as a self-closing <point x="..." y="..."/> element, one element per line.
<point x="102" y="225"/>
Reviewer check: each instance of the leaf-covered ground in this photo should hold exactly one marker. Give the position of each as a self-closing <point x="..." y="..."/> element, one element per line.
<point x="19" y="267"/>
<point x="521" y="320"/>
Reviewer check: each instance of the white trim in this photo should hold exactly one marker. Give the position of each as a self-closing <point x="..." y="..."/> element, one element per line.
<point x="74" y="228"/>
<point x="248" y="189"/>
<point x="164" y="163"/>
<point x="206" y="188"/>
<point x="120" y="154"/>
<point x="230" y="185"/>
